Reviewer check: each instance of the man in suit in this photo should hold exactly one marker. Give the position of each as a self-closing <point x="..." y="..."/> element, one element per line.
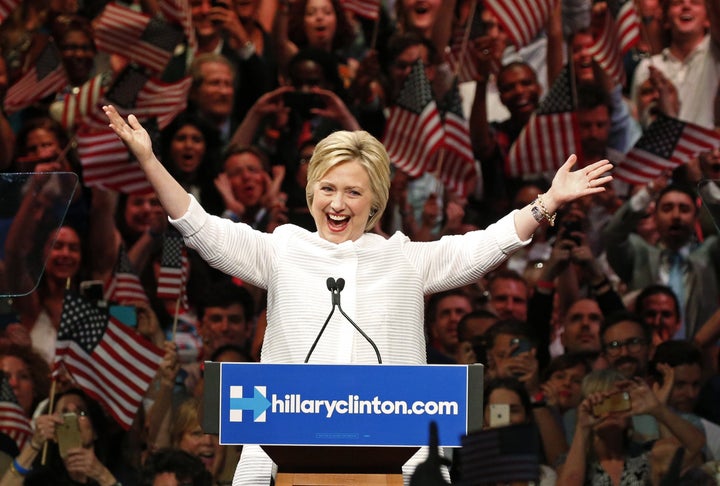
<point x="690" y="267"/>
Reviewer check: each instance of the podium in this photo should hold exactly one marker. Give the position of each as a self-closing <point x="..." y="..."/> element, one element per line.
<point x="341" y="424"/>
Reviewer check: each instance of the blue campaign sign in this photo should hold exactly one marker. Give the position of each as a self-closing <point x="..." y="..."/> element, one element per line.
<point x="352" y="405"/>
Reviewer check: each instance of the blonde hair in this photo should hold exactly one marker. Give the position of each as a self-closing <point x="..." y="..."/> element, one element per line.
<point x="600" y="381"/>
<point x="358" y="146"/>
<point x="186" y="416"/>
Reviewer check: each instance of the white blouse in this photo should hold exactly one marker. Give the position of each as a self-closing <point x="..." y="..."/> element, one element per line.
<point x="386" y="280"/>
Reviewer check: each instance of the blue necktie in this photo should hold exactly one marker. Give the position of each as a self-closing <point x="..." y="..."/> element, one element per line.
<point x="676" y="282"/>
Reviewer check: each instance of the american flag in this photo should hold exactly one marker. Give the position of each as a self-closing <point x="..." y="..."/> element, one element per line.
<point x="178" y="11"/>
<point x="369" y="9"/>
<point x="174" y="267"/>
<point x="134" y="91"/>
<point x="522" y="20"/>
<point x="7" y="7"/>
<point x="106" y="162"/>
<point x="667" y="143"/>
<point x="414" y="130"/>
<point x="620" y="32"/>
<point x="460" y="58"/>
<point x="13" y="421"/>
<point x="124" y="284"/>
<point x="458" y="170"/>
<point x="46" y="77"/>
<point x="501" y="455"/>
<point x="85" y="104"/>
<point x="149" y="41"/>
<point x="550" y="135"/>
<point x="108" y="360"/>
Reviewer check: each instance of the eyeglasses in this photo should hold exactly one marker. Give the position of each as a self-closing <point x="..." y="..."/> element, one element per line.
<point x="633" y="345"/>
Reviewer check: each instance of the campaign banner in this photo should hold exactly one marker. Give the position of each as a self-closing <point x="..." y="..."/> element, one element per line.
<point x="344" y="405"/>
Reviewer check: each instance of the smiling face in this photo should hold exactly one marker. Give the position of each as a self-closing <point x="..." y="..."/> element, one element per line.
<point x="140" y="211"/>
<point x="519" y="90"/>
<point x="187" y="148"/>
<point x="687" y="18"/>
<point x="214" y="95"/>
<point x="196" y="442"/>
<point x="421" y="14"/>
<point x="247" y="178"/>
<point x="342" y="201"/>
<point x="63" y="254"/>
<point x="582" y="57"/>
<point x="320" y="23"/>
<point x="200" y="10"/>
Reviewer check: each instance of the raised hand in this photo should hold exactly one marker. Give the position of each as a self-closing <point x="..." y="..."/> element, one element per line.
<point x="133" y="135"/>
<point x="568" y="184"/>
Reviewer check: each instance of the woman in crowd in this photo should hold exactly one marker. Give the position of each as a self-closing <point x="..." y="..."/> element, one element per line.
<point x="511" y="393"/>
<point x="189" y="151"/>
<point x="314" y="24"/>
<point x="347" y="191"/>
<point x="86" y="464"/>
<point x="187" y="434"/>
<point x="28" y="374"/>
<point x="40" y="311"/>
<point x="602" y="451"/>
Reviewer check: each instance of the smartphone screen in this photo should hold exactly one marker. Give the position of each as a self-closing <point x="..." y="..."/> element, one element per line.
<point x="127" y="314"/>
<point x="522" y="345"/>
<point x="617" y="402"/>
<point x="68" y="433"/>
<point x="499" y="415"/>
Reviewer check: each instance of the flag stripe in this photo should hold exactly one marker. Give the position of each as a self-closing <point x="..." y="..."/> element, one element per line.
<point x="119" y="30"/>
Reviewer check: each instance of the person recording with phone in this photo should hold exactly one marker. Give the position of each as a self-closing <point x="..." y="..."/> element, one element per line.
<point x="512" y="355"/>
<point x="309" y="107"/>
<point x="77" y="447"/>
<point x="385" y="279"/>
<point x="602" y="451"/>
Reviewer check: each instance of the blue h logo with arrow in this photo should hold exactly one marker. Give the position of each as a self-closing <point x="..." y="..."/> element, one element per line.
<point x="258" y="403"/>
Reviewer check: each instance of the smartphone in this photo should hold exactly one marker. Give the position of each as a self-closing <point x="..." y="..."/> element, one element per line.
<point x="92" y="290"/>
<point x="617" y="402"/>
<point x="570" y="227"/>
<point x="522" y="345"/>
<point x="219" y="3"/>
<point x="68" y="433"/>
<point x="126" y="314"/>
<point x="499" y="415"/>
<point x="301" y="102"/>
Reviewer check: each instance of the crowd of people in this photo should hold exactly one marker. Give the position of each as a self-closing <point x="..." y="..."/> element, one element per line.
<point x="581" y="295"/>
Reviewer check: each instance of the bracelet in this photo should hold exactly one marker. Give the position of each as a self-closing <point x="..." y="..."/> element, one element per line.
<point x="538" y="203"/>
<point x="15" y="466"/>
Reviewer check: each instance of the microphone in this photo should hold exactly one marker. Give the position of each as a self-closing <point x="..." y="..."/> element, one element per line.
<point x="339" y="285"/>
<point x="332" y="287"/>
